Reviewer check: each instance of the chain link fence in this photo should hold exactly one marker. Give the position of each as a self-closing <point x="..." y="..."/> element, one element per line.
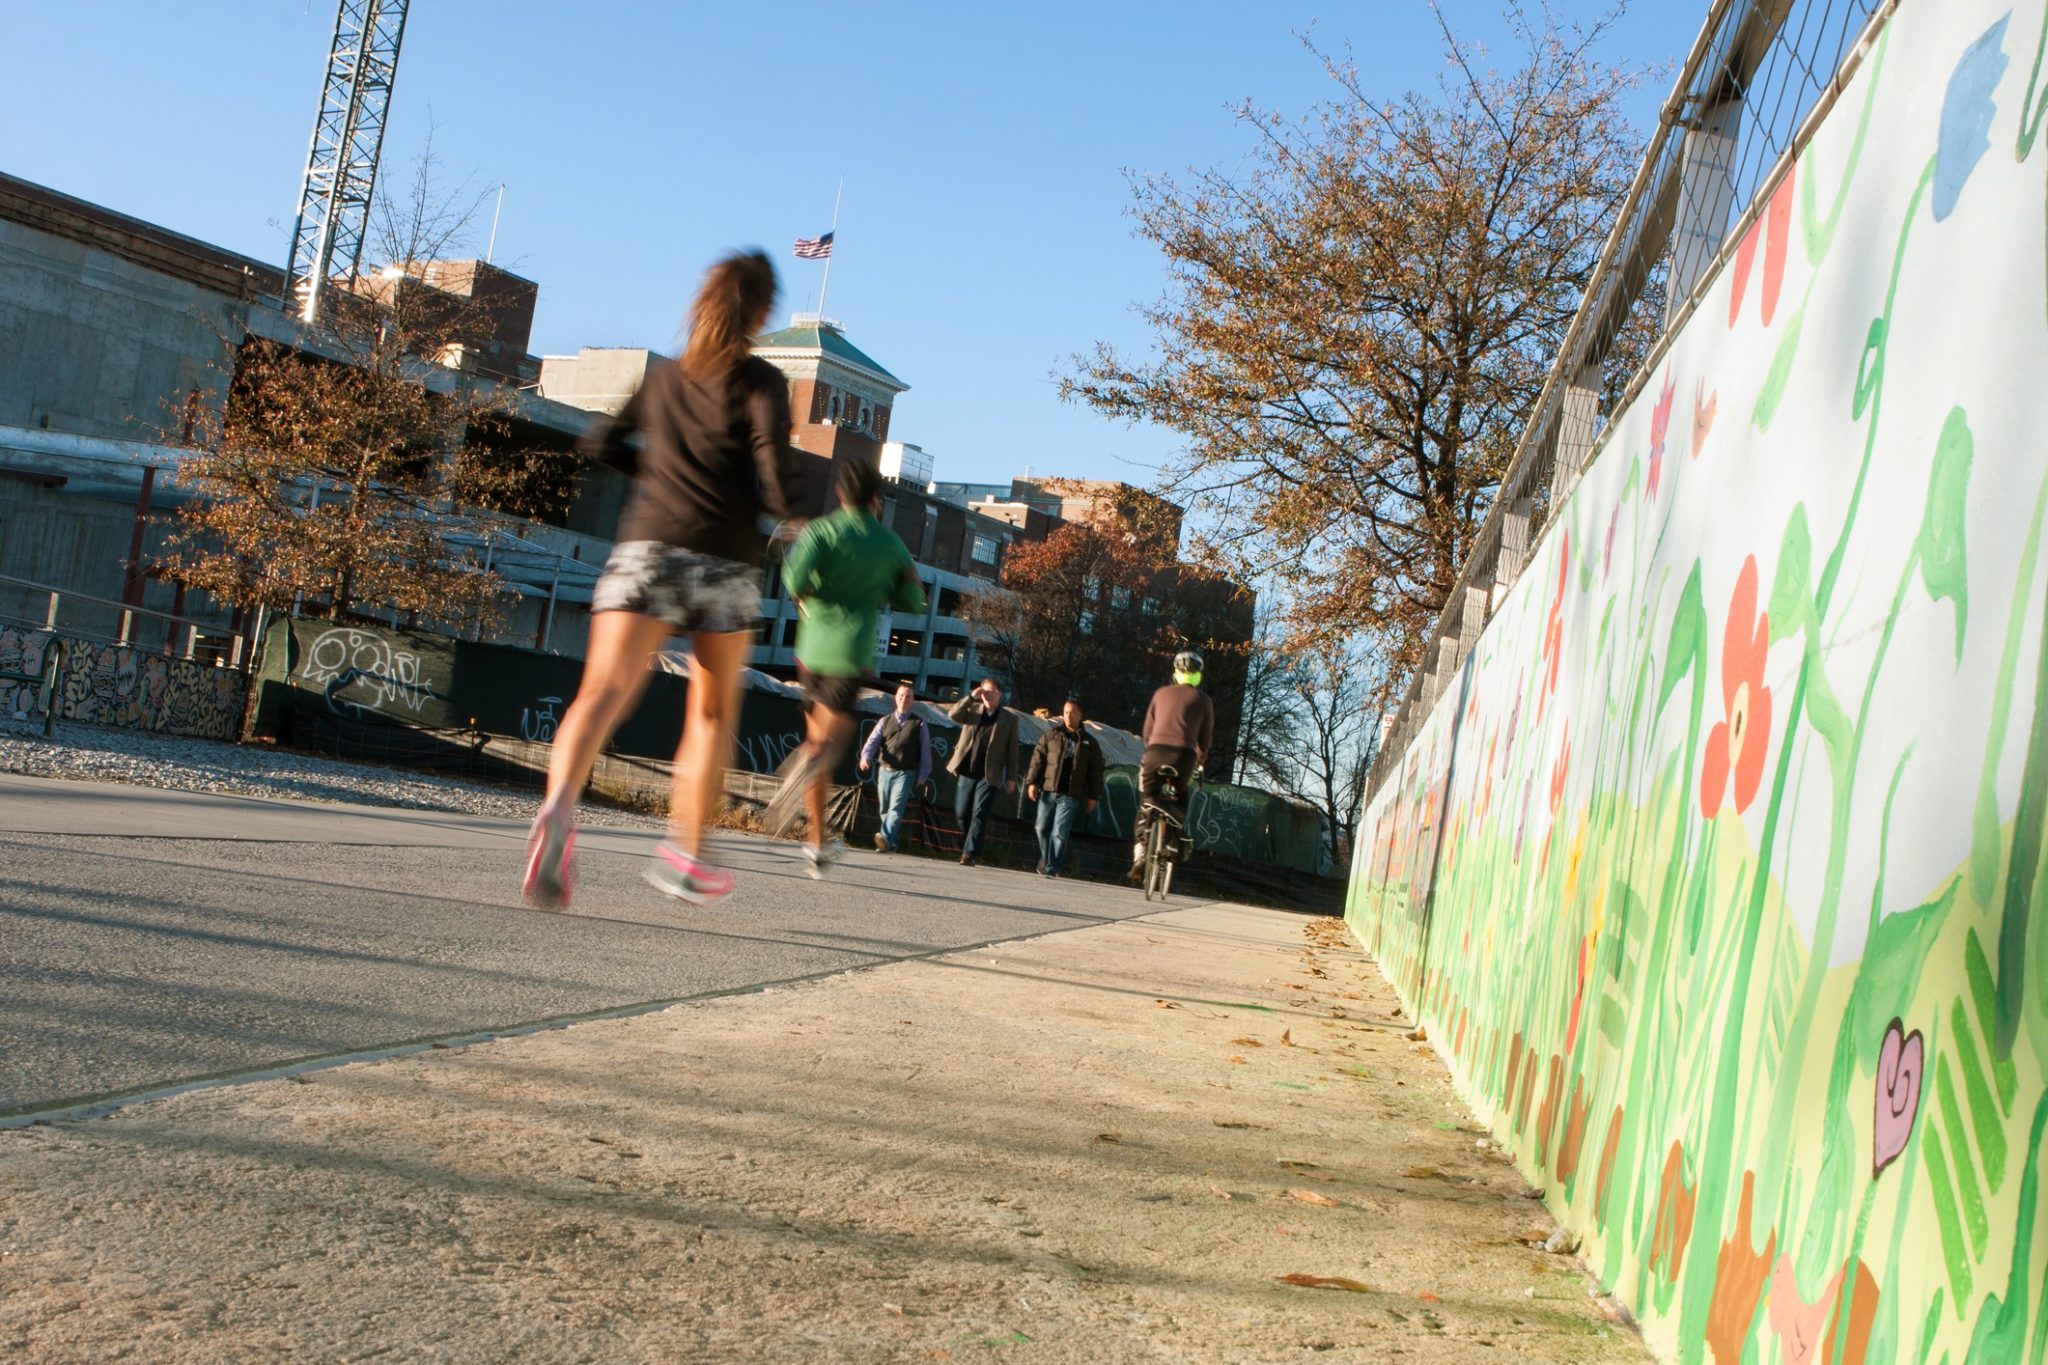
<point x="1758" y="79"/>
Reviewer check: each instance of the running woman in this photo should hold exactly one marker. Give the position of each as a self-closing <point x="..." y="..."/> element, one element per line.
<point x="712" y="458"/>
<point x="840" y="572"/>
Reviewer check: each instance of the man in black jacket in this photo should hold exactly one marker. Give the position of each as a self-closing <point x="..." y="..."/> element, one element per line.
<point x="1065" y="779"/>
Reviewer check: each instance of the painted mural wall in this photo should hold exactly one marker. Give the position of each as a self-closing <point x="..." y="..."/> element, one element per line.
<point x="1719" y="875"/>
<point x="103" y="684"/>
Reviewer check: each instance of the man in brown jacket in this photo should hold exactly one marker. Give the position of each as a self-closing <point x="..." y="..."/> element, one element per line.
<point x="985" y="756"/>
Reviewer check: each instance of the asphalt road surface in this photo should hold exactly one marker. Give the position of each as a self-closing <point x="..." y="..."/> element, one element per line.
<point x="151" y="938"/>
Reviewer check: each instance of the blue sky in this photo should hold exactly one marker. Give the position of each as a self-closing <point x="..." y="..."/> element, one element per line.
<point x="984" y="236"/>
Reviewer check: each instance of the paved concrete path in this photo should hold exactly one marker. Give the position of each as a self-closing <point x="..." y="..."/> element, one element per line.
<point x="151" y="937"/>
<point x="1195" y="1136"/>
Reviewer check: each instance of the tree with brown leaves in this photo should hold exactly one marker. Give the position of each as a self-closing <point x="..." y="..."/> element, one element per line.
<point x="1099" y="608"/>
<point x="346" y="472"/>
<point x="1356" y="328"/>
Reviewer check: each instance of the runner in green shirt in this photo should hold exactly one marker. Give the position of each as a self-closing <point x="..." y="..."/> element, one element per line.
<point x="840" y="573"/>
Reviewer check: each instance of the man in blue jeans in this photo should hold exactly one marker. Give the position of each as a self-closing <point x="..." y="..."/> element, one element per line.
<point x="985" y="759"/>
<point x="1065" y="779"/>
<point x="902" y="744"/>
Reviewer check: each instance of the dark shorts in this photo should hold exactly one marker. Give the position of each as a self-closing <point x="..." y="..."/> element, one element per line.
<point x="834" y="694"/>
<point x="696" y="593"/>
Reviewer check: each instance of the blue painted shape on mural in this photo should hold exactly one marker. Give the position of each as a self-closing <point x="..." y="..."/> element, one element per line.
<point x="1966" y="112"/>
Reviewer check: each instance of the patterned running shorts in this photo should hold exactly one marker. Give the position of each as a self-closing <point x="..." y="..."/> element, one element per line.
<point x="695" y="593"/>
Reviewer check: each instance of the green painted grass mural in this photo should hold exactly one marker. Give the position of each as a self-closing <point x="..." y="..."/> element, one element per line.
<point x="1720" y="875"/>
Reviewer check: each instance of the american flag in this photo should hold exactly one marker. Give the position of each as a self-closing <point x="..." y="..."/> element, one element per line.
<point x="814" y="248"/>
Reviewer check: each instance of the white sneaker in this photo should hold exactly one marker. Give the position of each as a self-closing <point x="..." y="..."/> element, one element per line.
<point x="686" y="878"/>
<point x="816" y="859"/>
<point x="786" y="807"/>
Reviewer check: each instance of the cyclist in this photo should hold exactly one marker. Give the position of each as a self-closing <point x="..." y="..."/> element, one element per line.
<point x="1180" y="724"/>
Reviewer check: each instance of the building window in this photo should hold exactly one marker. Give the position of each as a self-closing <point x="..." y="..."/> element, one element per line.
<point x="882" y="428"/>
<point x="1087" y="623"/>
<point x="1120" y="598"/>
<point x="821" y="403"/>
<point x="1091" y="588"/>
<point x="1151" y="606"/>
<point x="984" y="550"/>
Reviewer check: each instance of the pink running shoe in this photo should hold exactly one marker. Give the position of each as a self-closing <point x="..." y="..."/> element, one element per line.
<point x="548" y="848"/>
<point x="687" y="879"/>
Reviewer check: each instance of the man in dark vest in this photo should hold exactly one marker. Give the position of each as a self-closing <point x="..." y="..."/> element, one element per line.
<point x="902" y="744"/>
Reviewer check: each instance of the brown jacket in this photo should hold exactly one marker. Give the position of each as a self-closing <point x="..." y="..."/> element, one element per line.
<point x="1181" y="717"/>
<point x="1005" y="756"/>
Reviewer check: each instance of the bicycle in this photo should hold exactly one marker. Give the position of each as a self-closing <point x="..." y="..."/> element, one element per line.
<point x="1166" y="844"/>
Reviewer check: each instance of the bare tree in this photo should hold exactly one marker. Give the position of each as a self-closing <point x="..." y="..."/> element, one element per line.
<point x="1338" y="735"/>
<point x="1269" y="732"/>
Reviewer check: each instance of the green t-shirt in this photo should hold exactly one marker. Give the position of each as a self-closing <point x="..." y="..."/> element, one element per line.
<point x="842" y="569"/>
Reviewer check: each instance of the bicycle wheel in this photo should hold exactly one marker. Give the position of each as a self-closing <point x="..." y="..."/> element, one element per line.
<point x="1157" y="870"/>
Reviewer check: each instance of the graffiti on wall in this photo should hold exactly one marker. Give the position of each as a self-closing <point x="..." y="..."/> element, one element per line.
<point x="1748" y="778"/>
<point x="105" y="684"/>
<point x="363" y="671"/>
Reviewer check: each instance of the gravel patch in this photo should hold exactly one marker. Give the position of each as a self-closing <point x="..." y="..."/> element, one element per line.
<point x="91" y="753"/>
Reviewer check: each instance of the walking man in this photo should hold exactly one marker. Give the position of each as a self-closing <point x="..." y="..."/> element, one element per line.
<point x="902" y="744"/>
<point x="1065" y="779"/>
<point x="985" y="757"/>
<point x="840" y="572"/>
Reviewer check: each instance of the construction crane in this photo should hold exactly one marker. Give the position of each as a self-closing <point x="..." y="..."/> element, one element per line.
<point x="348" y="137"/>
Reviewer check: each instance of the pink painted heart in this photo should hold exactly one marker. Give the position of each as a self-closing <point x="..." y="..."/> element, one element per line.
<point x="1900" y="1062"/>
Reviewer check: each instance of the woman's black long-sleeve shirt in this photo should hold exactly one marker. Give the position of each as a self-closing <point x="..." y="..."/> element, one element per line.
<point x="710" y="460"/>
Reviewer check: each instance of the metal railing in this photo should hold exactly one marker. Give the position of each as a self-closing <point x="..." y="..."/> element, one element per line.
<point x="1757" y="81"/>
<point x="181" y="636"/>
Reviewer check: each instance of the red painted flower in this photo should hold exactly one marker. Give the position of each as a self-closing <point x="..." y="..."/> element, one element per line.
<point x="1775" y="228"/>
<point x="1737" y="745"/>
<point x="1553" y="630"/>
<point x="1560" y="770"/>
<point x="1704" y="406"/>
<point x="1660" y="427"/>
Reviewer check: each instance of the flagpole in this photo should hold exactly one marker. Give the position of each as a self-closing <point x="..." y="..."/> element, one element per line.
<point x="833" y="232"/>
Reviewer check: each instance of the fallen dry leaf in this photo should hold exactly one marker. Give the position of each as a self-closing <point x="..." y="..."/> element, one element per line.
<point x="1287" y="1037"/>
<point x="1166" y="1004"/>
<point x="1306" y="1168"/>
<point x="1326" y="1282"/>
<point x="1235" y="1123"/>
<point x="1428" y="1297"/>
<point x="1109" y="1137"/>
<point x="1236" y="1060"/>
<point x="1246" y="1042"/>
<point x="1219" y="1192"/>
<point x="1311" y="1197"/>
<point x="895" y="1308"/>
<point x="1426" y="1173"/>
<point x="1418" y="1034"/>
